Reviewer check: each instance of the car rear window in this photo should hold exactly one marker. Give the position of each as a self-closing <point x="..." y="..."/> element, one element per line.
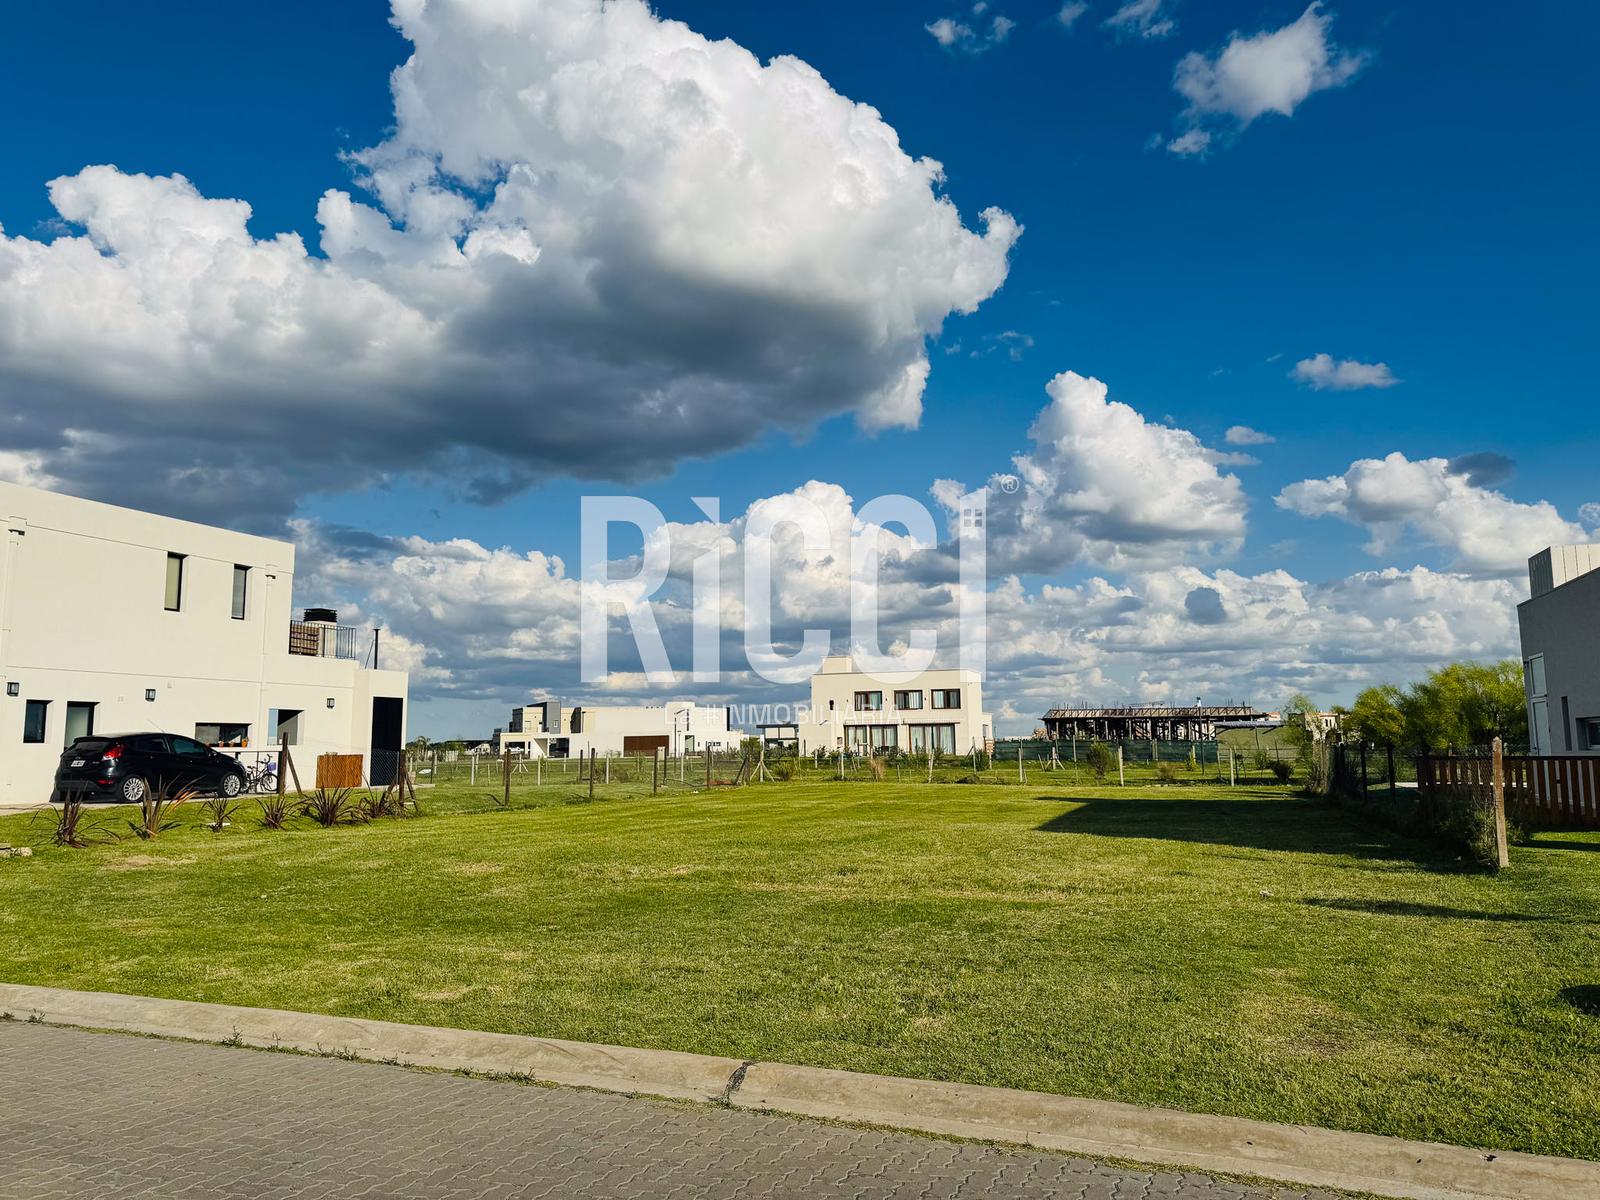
<point x="89" y="745"/>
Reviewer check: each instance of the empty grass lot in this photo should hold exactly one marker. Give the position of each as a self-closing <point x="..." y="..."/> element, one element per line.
<point x="1219" y="950"/>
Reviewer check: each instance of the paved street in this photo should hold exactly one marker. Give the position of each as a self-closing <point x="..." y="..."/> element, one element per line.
<point x="112" y="1116"/>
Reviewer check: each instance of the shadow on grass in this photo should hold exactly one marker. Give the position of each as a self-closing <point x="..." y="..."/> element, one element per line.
<point x="1399" y="908"/>
<point x="1585" y="997"/>
<point x="1553" y="841"/>
<point x="1301" y="826"/>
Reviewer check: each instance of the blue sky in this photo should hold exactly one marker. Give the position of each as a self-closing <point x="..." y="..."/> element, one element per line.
<point x="1432" y="212"/>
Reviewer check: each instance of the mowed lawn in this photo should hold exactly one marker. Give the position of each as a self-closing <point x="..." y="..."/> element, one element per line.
<point x="1213" y="949"/>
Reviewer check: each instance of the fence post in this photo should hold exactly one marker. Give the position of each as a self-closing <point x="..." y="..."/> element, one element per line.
<point x="1393" y="788"/>
<point x="708" y="766"/>
<point x="655" y="775"/>
<point x="1121" y="780"/>
<point x="1232" y="780"/>
<point x="1498" y="765"/>
<point x="591" y="772"/>
<point x="505" y="778"/>
<point x="1363" y="770"/>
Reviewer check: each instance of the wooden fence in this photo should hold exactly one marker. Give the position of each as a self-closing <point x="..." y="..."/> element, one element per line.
<point x="1553" y="789"/>
<point x="338" y="770"/>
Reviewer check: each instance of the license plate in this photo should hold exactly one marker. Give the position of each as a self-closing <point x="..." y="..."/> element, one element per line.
<point x="78" y="762"/>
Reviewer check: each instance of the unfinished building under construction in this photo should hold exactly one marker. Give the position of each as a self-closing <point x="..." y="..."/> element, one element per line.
<point x="1195" y="723"/>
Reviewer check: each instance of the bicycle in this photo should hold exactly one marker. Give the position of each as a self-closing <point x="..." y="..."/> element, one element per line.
<point x="263" y="777"/>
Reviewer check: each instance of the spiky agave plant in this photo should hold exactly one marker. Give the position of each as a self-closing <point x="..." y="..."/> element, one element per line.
<point x="158" y="809"/>
<point x="331" y="806"/>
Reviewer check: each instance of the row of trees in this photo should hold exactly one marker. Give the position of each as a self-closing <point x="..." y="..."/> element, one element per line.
<point x="1461" y="705"/>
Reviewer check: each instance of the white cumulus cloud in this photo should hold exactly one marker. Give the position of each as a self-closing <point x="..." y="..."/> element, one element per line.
<point x="1243" y="435"/>
<point x="594" y="243"/>
<point x="1324" y="373"/>
<point x="1485" y="530"/>
<point x="1272" y="71"/>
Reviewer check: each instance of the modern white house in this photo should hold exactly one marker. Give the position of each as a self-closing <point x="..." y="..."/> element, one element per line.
<point x="547" y="729"/>
<point x="118" y="621"/>
<point x="1560" y="627"/>
<point x="939" y="709"/>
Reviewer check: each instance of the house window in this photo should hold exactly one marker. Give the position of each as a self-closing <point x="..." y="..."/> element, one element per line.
<point x="80" y="721"/>
<point x="222" y="733"/>
<point x="869" y="701"/>
<point x="174" y="582"/>
<point x="1533" y="671"/>
<point x="33" y="720"/>
<point x="947" y="697"/>
<point x="871" y="739"/>
<point x="1589" y="728"/>
<point x="241" y="590"/>
<point x="911" y="700"/>
<point x="283" y="726"/>
<point x="932" y="737"/>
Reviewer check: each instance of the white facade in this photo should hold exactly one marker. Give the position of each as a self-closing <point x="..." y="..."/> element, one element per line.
<point x="1560" y="629"/>
<point x="897" y="710"/>
<point x="677" y="727"/>
<point x="117" y="621"/>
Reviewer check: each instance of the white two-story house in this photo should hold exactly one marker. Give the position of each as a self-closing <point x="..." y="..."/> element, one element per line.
<point x="915" y="712"/>
<point x="117" y="621"/>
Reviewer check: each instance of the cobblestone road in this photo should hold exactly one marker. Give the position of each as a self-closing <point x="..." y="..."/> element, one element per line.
<point x="111" y="1116"/>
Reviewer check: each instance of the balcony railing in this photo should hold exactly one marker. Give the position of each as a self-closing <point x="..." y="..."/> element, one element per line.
<point x="317" y="640"/>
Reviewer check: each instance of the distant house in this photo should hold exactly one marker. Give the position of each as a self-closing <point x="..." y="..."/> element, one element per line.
<point x="940" y="709"/>
<point x="1560" y="628"/>
<point x="546" y="728"/>
<point x="117" y="621"/>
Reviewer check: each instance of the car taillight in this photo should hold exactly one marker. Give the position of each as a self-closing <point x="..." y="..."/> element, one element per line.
<point x="113" y="752"/>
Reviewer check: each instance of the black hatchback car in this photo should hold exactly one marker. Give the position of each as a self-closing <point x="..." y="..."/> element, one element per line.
<point x="126" y="766"/>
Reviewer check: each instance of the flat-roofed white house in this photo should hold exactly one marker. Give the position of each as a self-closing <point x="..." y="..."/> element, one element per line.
<point x="547" y="729"/>
<point x="118" y="621"/>
<point x="939" y="709"/>
<point x="1560" y="628"/>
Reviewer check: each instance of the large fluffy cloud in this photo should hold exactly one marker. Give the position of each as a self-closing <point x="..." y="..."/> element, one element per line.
<point x="1104" y="485"/>
<point x="595" y="242"/>
<point x="1272" y="71"/>
<point x="1437" y="500"/>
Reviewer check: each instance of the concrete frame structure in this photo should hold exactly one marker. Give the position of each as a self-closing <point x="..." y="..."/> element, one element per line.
<point x="894" y="710"/>
<point x="1193" y="723"/>
<point x="547" y="729"/>
<point x="118" y="621"/>
<point x="1560" y="631"/>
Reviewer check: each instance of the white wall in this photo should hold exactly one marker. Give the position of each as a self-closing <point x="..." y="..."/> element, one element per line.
<point x="833" y="693"/>
<point x="82" y="618"/>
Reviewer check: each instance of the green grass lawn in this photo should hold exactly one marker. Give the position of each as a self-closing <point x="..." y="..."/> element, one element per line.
<point x="1220" y="950"/>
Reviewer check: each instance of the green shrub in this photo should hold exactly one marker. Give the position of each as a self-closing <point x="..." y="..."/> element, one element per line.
<point x="1166" y="773"/>
<point x="276" y="809"/>
<point x="1100" y="759"/>
<point x="1281" y="771"/>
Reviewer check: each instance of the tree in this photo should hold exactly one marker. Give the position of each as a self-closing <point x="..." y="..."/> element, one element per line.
<point x="1461" y="705"/>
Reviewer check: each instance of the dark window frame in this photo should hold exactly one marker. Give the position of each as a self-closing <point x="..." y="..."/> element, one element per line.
<point x="868" y="707"/>
<point x="42" y="707"/>
<point x="942" y="696"/>
<point x="177" y="601"/>
<point x="902" y="695"/>
<point x="240" y="600"/>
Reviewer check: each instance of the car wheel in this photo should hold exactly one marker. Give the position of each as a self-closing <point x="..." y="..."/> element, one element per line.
<point x="232" y="785"/>
<point x="132" y="789"/>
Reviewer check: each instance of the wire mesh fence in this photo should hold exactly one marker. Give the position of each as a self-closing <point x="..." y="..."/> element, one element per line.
<point x="1010" y="763"/>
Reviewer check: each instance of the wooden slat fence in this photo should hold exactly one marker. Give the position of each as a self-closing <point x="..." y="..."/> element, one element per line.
<point x="1559" y="789"/>
<point x="338" y="770"/>
<point x="1555" y="789"/>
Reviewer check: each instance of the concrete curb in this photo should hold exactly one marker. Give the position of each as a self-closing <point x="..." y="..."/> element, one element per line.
<point x="1165" y="1137"/>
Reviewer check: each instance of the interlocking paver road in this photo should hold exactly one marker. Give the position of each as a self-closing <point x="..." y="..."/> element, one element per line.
<point x="111" y="1116"/>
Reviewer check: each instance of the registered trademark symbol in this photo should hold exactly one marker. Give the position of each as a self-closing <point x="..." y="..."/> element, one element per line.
<point x="1009" y="483"/>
